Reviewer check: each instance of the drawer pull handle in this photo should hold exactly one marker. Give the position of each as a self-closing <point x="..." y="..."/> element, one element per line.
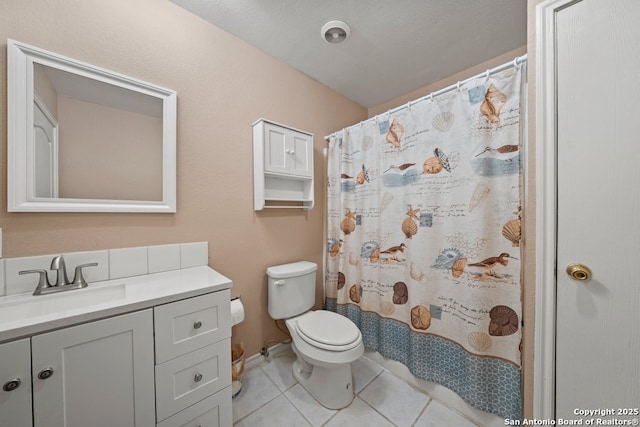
<point x="197" y="325"/>
<point x="45" y="373"/>
<point x="197" y="378"/>
<point x="12" y="384"/>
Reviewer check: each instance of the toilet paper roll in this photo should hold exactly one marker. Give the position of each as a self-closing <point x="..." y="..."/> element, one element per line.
<point x="237" y="311"/>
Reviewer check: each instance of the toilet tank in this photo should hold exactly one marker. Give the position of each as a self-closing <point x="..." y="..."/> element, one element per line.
<point x="292" y="289"/>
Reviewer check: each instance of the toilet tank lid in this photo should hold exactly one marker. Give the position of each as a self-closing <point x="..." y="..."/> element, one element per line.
<point x="293" y="269"/>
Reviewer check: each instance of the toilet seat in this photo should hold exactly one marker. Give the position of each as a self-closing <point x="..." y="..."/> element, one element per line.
<point x="328" y="330"/>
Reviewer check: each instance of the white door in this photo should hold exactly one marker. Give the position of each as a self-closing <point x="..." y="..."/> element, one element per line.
<point x="45" y="151"/>
<point x="98" y="374"/>
<point x="598" y="223"/>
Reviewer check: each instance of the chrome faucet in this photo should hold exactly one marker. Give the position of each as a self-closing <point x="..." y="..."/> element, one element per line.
<point x="62" y="280"/>
<point x="58" y="265"/>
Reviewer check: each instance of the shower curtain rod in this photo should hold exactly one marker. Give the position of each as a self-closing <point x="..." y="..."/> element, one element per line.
<point x="518" y="60"/>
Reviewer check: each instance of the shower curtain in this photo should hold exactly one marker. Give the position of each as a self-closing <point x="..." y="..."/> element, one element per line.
<point x="423" y="237"/>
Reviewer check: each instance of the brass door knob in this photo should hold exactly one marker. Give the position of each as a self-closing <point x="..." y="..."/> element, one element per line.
<point x="579" y="272"/>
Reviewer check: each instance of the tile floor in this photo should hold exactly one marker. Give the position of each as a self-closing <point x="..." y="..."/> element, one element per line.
<point x="272" y="397"/>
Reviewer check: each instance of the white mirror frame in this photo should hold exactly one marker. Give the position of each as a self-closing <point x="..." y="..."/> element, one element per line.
<point x="20" y="97"/>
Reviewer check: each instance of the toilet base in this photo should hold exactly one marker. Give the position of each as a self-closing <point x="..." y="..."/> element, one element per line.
<point x="331" y="387"/>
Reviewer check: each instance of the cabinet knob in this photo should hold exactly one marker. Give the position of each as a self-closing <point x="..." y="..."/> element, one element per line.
<point x="197" y="325"/>
<point x="293" y="152"/>
<point x="45" y="373"/>
<point x="198" y="377"/>
<point x="287" y="151"/>
<point x="12" y="384"/>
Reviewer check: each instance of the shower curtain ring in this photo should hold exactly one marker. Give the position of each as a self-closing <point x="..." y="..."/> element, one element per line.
<point x="458" y="85"/>
<point x="431" y="96"/>
<point x="487" y="76"/>
<point x="515" y="62"/>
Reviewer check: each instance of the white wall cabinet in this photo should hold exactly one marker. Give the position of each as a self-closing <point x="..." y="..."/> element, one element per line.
<point x="15" y="376"/>
<point x="112" y="372"/>
<point x="283" y="166"/>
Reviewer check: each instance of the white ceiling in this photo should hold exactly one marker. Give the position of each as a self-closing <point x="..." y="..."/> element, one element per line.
<point x="395" y="46"/>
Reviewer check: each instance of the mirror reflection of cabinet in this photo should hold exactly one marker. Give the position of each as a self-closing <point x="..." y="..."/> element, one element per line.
<point x="85" y="139"/>
<point x="282" y="166"/>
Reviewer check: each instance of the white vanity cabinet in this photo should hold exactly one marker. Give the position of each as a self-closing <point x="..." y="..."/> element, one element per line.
<point x="193" y="361"/>
<point x="95" y="374"/>
<point x="283" y="166"/>
<point x="15" y="376"/>
<point x="166" y="365"/>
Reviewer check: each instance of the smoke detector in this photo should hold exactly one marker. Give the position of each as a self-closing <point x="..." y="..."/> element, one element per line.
<point x="335" y="32"/>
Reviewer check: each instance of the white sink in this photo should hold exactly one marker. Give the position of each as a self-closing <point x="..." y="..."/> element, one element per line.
<point x="43" y="305"/>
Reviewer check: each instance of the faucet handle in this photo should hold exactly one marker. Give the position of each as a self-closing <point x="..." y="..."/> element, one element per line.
<point x="43" y="280"/>
<point x="78" y="278"/>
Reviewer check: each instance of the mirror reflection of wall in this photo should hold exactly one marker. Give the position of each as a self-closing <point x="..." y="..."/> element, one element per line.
<point x="109" y="139"/>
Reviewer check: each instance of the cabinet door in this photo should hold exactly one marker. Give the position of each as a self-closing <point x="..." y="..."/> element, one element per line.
<point x="300" y="154"/>
<point x="15" y="377"/>
<point x="101" y="374"/>
<point x="276" y="149"/>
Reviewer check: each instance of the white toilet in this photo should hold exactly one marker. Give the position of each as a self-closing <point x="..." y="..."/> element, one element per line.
<point x="325" y="342"/>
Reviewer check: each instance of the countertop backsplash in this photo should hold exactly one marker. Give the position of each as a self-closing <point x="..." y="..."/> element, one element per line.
<point x="112" y="264"/>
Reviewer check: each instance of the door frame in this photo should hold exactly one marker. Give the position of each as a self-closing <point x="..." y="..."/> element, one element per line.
<point x="546" y="208"/>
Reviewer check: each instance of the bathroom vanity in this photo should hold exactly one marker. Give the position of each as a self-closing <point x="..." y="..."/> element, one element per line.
<point x="137" y="351"/>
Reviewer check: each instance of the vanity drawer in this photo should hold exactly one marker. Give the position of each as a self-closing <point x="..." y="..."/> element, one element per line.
<point x="214" y="411"/>
<point x="188" y="379"/>
<point x="187" y="325"/>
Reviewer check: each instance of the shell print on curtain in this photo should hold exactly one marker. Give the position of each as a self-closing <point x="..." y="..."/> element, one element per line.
<point x="423" y="238"/>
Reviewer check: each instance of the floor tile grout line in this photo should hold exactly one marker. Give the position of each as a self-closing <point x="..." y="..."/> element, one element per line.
<point x="380" y="413"/>
<point x="369" y="383"/>
<point x="257" y="409"/>
<point x="265" y="403"/>
<point x="296" y="408"/>
<point x="423" y="410"/>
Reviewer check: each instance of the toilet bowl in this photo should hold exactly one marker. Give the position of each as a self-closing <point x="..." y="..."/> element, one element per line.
<point x="324" y="342"/>
<point x="322" y="367"/>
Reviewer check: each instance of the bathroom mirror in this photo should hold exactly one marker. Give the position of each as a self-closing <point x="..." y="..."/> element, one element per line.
<point x="85" y="139"/>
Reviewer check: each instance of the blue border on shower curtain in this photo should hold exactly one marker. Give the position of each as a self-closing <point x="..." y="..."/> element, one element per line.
<point x="488" y="384"/>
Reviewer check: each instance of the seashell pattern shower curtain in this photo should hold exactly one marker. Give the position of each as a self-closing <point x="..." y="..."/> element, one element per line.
<point x="423" y="238"/>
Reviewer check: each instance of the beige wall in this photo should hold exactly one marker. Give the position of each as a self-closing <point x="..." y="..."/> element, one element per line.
<point x="223" y="86"/>
<point x="108" y="153"/>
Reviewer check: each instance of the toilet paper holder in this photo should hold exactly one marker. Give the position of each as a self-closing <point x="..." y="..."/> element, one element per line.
<point x="237" y="310"/>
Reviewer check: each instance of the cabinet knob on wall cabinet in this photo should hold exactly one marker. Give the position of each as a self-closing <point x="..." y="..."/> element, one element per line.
<point x="45" y="373"/>
<point x="293" y="152"/>
<point x="198" y="377"/>
<point x="197" y="325"/>
<point x="12" y="384"/>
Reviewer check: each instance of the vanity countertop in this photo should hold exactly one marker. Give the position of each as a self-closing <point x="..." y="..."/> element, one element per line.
<point x="24" y="315"/>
